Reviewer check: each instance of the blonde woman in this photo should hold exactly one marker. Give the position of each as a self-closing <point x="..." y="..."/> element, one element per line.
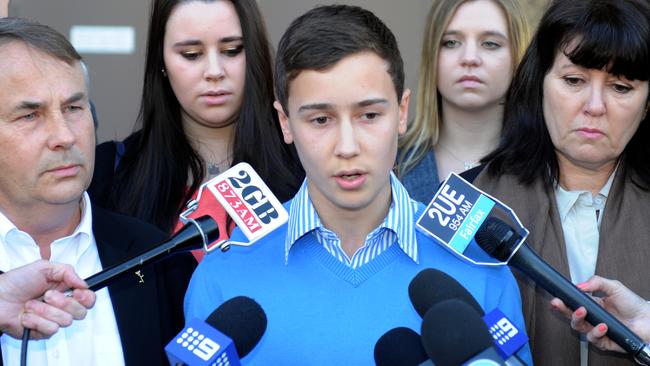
<point x="465" y="71"/>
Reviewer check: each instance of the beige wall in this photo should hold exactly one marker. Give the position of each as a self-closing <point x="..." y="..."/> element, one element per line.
<point x="116" y="80"/>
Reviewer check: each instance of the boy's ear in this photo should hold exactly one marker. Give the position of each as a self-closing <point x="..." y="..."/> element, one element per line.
<point x="284" y="123"/>
<point x="404" y="111"/>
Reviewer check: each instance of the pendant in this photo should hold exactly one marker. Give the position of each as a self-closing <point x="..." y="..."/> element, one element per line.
<point x="470" y="165"/>
<point x="213" y="169"/>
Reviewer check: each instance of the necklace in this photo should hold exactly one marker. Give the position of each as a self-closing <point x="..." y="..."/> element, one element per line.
<point x="466" y="164"/>
<point x="214" y="168"/>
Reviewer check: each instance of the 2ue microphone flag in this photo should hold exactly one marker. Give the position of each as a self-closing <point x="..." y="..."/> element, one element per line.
<point x="455" y="214"/>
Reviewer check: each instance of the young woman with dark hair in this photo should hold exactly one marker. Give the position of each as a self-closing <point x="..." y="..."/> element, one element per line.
<point x="206" y="105"/>
<point x="572" y="161"/>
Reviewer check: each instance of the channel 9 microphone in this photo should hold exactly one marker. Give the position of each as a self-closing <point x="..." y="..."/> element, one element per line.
<point x="432" y="286"/>
<point x="403" y="346"/>
<point x="227" y="335"/>
<point x="499" y="240"/>
<point x="453" y="334"/>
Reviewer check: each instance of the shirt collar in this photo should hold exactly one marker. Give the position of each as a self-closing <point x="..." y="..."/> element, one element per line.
<point x="5" y="226"/>
<point x="566" y="199"/>
<point x="86" y="225"/>
<point x="84" y="228"/>
<point x="303" y="218"/>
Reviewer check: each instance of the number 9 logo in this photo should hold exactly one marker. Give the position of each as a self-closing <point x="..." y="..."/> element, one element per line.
<point x="206" y="349"/>
<point x="507" y="327"/>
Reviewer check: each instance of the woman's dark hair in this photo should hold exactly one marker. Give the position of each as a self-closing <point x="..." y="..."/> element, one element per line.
<point x="602" y="34"/>
<point x="151" y="183"/>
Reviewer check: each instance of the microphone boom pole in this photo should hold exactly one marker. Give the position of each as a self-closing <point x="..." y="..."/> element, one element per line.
<point x="194" y="235"/>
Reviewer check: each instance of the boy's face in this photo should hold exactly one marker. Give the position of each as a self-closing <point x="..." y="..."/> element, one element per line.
<point x="344" y="122"/>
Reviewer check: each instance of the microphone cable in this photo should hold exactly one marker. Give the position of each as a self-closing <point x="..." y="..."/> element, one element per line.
<point x="23" y="347"/>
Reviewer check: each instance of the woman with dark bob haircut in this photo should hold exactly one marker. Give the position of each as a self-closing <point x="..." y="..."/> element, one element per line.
<point x="207" y="104"/>
<point x="572" y="161"/>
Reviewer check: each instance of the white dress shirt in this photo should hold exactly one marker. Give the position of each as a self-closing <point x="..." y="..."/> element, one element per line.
<point x="92" y="341"/>
<point x="581" y="214"/>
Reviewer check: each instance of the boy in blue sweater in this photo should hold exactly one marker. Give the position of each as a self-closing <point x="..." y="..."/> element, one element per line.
<point x="334" y="278"/>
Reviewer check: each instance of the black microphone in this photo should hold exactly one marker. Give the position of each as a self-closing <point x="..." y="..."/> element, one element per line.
<point x="243" y="320"/>
<point x="453" y="334"/>
<point x="499" y="240"/>
<point x="228" y="334"/>
<point x="400" y="347"/>
<point x="431" y="286"/>
<point x="194" y="235"/>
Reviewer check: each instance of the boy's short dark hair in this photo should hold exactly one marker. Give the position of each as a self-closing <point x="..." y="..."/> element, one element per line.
<point x="326" y="34"/>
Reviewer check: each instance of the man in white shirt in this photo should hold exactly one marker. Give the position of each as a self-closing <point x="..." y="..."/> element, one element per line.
<point x="48" y="145"/>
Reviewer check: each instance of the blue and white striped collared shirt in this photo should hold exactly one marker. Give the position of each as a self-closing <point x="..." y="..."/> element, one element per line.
<point x="397" y="227"/>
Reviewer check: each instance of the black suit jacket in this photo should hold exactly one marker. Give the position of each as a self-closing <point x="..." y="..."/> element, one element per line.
<point x="148" y="309"/>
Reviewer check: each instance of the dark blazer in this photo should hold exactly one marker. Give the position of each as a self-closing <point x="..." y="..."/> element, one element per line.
<point x="149" y="312"/>
<point x="148" y="309"/>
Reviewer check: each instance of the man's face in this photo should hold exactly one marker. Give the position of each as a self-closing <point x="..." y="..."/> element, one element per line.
<point x="46" y="130"/>
<point x="344" y="122"/>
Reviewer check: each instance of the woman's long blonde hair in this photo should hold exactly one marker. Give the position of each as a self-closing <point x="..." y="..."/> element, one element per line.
<point x="423" y="131"/>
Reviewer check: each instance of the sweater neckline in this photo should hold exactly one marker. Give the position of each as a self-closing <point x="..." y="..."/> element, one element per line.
<point x="355" y="277"/>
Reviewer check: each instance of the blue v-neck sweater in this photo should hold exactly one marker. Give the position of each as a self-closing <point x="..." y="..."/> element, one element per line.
<point x="321" y="312"/>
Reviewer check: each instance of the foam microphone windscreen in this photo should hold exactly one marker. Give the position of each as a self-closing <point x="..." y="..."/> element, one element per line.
<point x="453" y="332"/>
<point x="432" y="286"/>
<point x="497" y="238"/>
<point x="400" y="347"/>
<point x="243" y="320"/>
